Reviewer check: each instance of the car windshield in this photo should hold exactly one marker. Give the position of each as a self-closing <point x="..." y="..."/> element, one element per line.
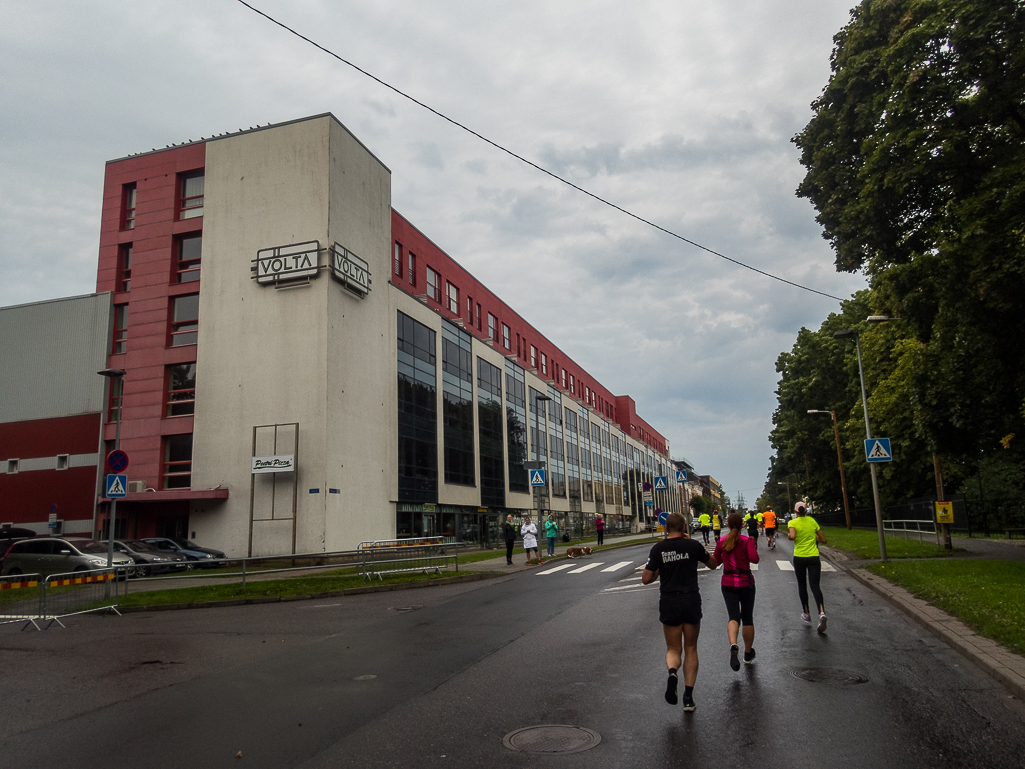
<point x="88" y="546"/>
<point x="185" y="543"/>
<point x="138" y="546"/>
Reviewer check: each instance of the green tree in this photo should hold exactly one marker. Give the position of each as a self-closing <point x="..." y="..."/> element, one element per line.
<point x="701" y="505"/>
<point x="914" y="162"/>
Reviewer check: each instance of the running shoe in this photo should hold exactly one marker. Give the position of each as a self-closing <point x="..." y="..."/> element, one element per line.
<point x="688" y="704"/>
<point x="734" y="657"/>
<point x="671" y="697"/>
<point x="822" y="623"/>
<point x="806" y="619"/>
<point x="749" y="657"/>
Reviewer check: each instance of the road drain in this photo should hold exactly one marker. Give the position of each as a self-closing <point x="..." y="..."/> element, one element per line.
<point x="552" y="739"/>
<point x="832" y="676"/>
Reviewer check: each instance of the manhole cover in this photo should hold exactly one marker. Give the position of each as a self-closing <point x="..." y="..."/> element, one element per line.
<point x="405" y="608"/>
<point x="369" y="677"/>
<point x="831" y="676"/>
<point x="552" y="739"/>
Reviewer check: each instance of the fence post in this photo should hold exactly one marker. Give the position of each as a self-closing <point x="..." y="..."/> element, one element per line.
<point x="243" y="576"/>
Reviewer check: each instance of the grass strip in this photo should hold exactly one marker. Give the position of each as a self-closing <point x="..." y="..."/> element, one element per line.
<point x="864" y="543"/>
<point x="988" y="596"/>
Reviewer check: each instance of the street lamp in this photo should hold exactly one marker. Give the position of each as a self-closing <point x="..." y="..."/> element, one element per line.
<point x="540" y="490"/>
<point x="787" y="484"/>
<point x="839" y="460"/>
<point x="847" y="333"/>
<point x="115" y="375"/>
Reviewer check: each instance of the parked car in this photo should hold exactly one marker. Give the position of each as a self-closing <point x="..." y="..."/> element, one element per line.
<point x="190" y="550"/>
<point x="9" y="536"/>
<point x="149" y="559"/>
<point x="53" y="555"/>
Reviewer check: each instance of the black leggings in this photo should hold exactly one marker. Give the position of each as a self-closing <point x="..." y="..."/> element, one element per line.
<point x="601" y="536"/>
<point x="812" y="567"/>
<point x="740" y="603"/>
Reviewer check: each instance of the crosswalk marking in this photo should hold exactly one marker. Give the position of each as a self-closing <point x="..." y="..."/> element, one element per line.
<point x="630" y="587"/>
<point x="640" y="568"/>
<point x="788" y="566"/>
<point x="634" y="578"/>
<point x="553" y="569"/>
<point x="585" y="568"/>
<point x="616" y="566"/>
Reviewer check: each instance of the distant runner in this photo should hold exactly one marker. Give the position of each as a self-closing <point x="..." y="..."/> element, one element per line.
<point x="674" y="560"/>
<point x="736" y="553"/>
<point x="761" y="523"/>
<point x="752" y="528"/>
<point x="706" y="521"/>
<point x="805" y="533"/>
<point x="716" y="525"/>
<point x="769" y="518"/>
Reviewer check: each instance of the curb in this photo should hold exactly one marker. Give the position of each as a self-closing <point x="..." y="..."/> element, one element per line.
<point x="328" y="594"/>
<point x="1005" y="666"/>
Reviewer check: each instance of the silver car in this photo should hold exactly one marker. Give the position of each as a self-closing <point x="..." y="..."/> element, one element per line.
<point x="52" y="555"/>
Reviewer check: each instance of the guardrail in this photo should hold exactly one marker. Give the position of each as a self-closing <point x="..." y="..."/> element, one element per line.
<point x="20" y="599"/>
<point x="903" y="527"/>
<point x="391" y="556"/>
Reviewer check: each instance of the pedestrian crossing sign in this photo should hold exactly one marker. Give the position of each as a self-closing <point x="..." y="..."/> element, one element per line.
<point x="537" y="477"/>
<point x="661" y="482"/>
<point x="117" y="486"/>
<point x="681" y="476"/>
<point x="878" y="450"/>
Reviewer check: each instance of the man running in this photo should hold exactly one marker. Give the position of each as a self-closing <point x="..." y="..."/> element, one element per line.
<point x="706" y="522"/>
<point x="752" y="528"/>
<point x="769" y="519"/>
<point x="674" y="560"/>
<point x="716" y="525"/>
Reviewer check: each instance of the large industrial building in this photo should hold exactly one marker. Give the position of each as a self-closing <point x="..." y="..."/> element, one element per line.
<point x="304" y="370"/>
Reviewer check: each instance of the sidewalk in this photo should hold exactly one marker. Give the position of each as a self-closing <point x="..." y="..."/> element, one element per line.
<point x="520" y="559"/>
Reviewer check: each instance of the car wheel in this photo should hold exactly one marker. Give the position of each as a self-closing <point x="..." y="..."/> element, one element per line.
<point x="142" y="571"/>
<point x="190" y="564"/>
<point x="80" y="568"/>
<point x="15" y="571"/>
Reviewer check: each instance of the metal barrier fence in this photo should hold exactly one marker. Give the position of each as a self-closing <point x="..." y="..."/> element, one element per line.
<point x="920" y="528"/>
<point x="391" y="556"/>
<point x="80" y="592"/>
<point x="21" y="599"/>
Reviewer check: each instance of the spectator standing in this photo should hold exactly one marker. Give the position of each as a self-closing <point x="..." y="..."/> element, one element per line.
<point x="599" y="526"/>
<point x="551" y="532"/>
<point x="529" y="532"/>
<point x="509" y="532"/>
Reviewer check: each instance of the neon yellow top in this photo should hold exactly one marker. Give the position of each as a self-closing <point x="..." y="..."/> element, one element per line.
<point x="716" y="523"/>
<point x="759" y="517"/>
<point x="805" y="545"/>
<point x="705" y="519"/>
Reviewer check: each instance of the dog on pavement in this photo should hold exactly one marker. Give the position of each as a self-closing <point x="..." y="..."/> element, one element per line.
<point x="577" y="552"/>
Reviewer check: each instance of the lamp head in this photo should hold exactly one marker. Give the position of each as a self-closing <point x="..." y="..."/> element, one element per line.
<point x="879" y="319"/>
<point x="845" y="333"/>
<point x="112" y="372"/>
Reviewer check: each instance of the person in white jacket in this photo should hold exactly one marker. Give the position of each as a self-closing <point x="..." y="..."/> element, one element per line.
<point x="529" y="532"/>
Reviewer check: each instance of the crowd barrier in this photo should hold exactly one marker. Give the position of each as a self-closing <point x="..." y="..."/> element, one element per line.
<point x="391" y="556"/>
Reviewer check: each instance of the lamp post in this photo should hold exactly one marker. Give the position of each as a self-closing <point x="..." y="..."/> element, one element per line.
<point x="116" y="375"/>
<point x="846" y="334"/>
<point x="539" y="400"/>
<point x="787" y="484"/>
<point x="839" y="461"/>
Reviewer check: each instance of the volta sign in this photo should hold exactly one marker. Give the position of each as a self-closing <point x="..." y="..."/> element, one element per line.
<point x="353" y="272"/>
<point x="299" y="260"/>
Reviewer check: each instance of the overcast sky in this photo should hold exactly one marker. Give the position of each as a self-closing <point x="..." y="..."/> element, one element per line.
<point x="678" y="110"/>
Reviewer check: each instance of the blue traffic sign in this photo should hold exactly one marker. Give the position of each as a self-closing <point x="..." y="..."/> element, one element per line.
<point x="661" y="482"/>
<point x="117" y="486"/>
<point x="681" y="476"/>
<point x="649" y="503"/>
<point x="646" y="486"/>
<point x="117" y="461"/>
<point x="537" y="477"/>
<point x="663" y="517"/>
<point x="878" y="450"/>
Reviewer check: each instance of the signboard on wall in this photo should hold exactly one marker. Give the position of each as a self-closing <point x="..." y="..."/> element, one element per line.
<point x="299" y="260"/>
<point x="282" y="463"/>
<point x="353" y="272"/>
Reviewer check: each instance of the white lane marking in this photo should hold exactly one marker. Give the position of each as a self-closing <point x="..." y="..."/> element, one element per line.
<point x="634" y="578"/>
<point x="641" y="568"/>
<point x="827" y="566"/>
<point x="554" y="569"/>
<point x="585" y="568"/>
<point x="616" y="566"/>
<point x="630" y="587"/>
<point x="789" y="566"/>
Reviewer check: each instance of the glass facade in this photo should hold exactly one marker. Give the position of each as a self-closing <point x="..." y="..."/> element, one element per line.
<point x="418" y="411"/>
<point x="490" y="434"/>
<point x="572" y="455"/>
<point x="457" y="405"/>
<point x="585" y="456"/>
<point x="556" y="445"/>
<point x="516" y="426"/>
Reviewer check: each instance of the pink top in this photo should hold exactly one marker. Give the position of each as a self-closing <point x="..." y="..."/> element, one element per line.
<point x="736" y="565"/>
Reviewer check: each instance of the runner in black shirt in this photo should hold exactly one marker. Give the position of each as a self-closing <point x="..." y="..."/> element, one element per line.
<point x="674" y="561"/>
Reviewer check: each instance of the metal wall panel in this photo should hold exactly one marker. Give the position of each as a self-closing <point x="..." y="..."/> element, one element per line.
<point x="49" y="355"/>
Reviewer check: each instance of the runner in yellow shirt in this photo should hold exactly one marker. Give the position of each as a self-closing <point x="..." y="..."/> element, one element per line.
<point x="716" y="525"/>
<point x="805" y="533"/>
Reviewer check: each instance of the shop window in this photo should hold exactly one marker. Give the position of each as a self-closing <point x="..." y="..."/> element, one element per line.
<point x="181" y="389"/>
<point x="433" y="285"/>
<point x="492" y="327"/>
<point x="189" y="250"/>
<point x="178" y="462"/>
<point x="411" y="272"/>
<point x="124" y="267"/>
<point x="120" y="328"/>
<point x="453" y="299"/>
<point x="128" y="207"/>
<point x="505" y="337"/>
<point x="191" y="199"/>
<point x="185" y="320"/>
<point x="117" y="387"/>
<point x="397" y="262"/>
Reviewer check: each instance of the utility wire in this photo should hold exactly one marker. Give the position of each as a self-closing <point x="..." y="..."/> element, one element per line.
<point x="530" y="163"/>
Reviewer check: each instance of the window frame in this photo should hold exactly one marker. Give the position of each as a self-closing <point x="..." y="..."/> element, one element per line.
<point x="397" y="260"/>
<point x="452" y="293"/>
<point x="124" y="267"/>
<point x="533" y="357"/>
<point x="129" y="204"/>
<point x="544" y="364"/>
<point x="492" y="327"/>
<point x="192" y="266"/>
<point x="190" y="206"/>
<point x="506" y="334"/>
<point x="174" y="326"/>
<point x="167" y="471"/>
<point x="434" y="286"/>
<point x="171" y="402"/>
<point x="120" y="342"/>
<point x="411" y="265"/>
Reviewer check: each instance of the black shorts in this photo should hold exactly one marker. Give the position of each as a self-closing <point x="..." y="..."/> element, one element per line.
<point x="679" y="608"/>
<point x="770" y="531"/>
<point x="740" y="603"/>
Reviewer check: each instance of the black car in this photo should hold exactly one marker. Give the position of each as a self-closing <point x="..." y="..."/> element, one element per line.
<point x="150" y="559"/>
<point x="189" y="549"/>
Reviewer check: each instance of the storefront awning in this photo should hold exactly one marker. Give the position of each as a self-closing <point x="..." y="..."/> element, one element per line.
<point x="172" y="495"/>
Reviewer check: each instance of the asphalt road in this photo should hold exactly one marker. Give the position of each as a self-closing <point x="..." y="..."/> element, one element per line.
<point x="437" y="677"/>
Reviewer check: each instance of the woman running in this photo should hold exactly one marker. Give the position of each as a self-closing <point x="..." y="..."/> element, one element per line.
<point x="736" y="553"/>
<point x="716" y="525"/>
<point x="805" y="533"/>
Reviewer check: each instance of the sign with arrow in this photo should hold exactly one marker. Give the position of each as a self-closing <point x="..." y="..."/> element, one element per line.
<point x="878" y="450"/>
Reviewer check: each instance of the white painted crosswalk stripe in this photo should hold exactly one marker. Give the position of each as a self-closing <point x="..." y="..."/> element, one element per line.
<point x="630" y="587"/>
<point x="788" y="566"/>
<point x="554" y="569"/>
<point x="616" y="566"/>
<point x="585" y="568"/>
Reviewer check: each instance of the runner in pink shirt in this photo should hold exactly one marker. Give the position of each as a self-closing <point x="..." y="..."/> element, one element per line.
<point x="736" y="553"/>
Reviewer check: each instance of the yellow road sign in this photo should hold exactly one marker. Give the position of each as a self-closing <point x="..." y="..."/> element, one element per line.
<point x="944" y="512"/>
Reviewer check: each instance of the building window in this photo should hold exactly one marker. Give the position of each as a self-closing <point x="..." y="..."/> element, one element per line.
<point x="433" y="285"/>
<point x="124" y="267"/>
<point x="191" y="200"/>
<point x="533" y="357"/>
<point x="469" y="310"/>
<point x="492" y="327"/>
<point x="117" y="388"/>
<point x="12" y="466"/>
<point x="453" y="299"/>
<point x="63" y="461"/>
<point x="181" y="389"/>
<point x="128" y="204"/>
<point x="490" y="434"/>
<point x="178" y="461"/>
<point x="477" y="321"/>
<point x="505" y="336"/>
<point x="516" y="427"/>
<point x="397" y="263"/>
<point x="185" y="320"/>
<point x="457" y="405"/>
<point x="563" y="377"/>
<point x="411" y="272"/>
<point x="418" y="412"/>
<point x="120" y="328"/>
<point x="572" y="384"/>
<point x="190" y="248"/>
<point x="544" y="364"/>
